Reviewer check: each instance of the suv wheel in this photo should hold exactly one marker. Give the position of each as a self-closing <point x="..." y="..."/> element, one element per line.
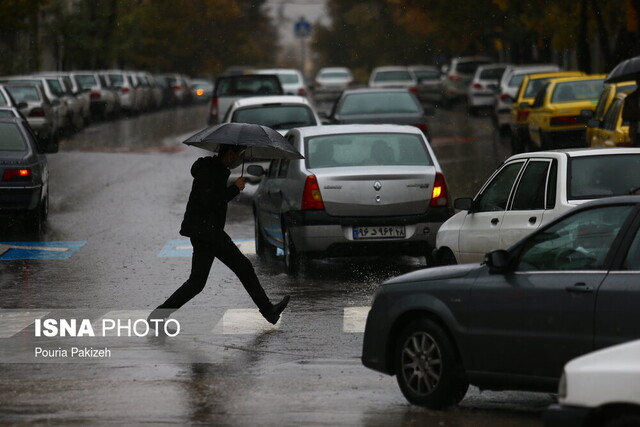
<point x="262" y="246"/>
<point x="428" y="370"/>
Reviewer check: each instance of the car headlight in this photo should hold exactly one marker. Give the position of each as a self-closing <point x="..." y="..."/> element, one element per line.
<point x="562" y="386"/>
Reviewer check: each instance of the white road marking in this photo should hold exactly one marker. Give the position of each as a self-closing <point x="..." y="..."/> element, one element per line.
<point x="243" y="321"/>
<point x="12" y="322"/>
<point x="354" y="319"/>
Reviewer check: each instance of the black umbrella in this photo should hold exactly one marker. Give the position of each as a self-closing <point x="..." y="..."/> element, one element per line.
<point x="626" y="70"/>
<point x="262" y="142"/>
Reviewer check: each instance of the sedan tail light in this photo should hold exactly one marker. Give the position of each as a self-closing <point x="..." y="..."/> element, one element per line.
<point x="413" y="89"/>
<point x="317" y="84"/>
<point x="125" y="90"/>
<point x="522" y="115"/>
<point x="422" y="126"/>
<point x="564" y="121"/>
<point x="37" y="112"/>
<point x="95" y="95"/>
<point x="311" y="197"/>
<point x="17" y="175"/>
<point x="213" y="112"/>
<point x="477" y="86"/>
<point x="302" y="92"/>
<point x="505" y="97"/>
<point x="440" y="193"/>
<point x="454" y="76"/>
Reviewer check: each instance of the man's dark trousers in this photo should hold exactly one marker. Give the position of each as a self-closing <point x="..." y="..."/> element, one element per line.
<point x="204" y="253"/>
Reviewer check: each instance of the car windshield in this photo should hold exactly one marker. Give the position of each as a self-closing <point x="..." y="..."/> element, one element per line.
<point x="7" y="113"/>
<point x="427" y="74"/>
<point x="24" y="93"/>
<point x="583" y="90"/>
<point x="367" y="149"/>
<point x="533" y="86"/>
<point x="491" y="73"/>
<point x="334" y="75"/>
<point x="10" y="138"/>
<point x="516" y="79"/>
<point x="276" y="116"/>
<point x="392" y="76"/>
<point x="56" y="87"/>
<point x="116" y="78"/>
<point x="381" y="102"/>
<point x="469" y="67"/>
<point x="86" y="81"/>
<point x="250" y="85"/>
<point x="593" y="177"/>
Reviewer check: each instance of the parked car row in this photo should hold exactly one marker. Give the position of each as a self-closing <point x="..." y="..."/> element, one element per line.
<point x="63" y="102"/>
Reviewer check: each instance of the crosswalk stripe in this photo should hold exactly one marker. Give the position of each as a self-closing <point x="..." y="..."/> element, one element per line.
<point x="12" y="322"/>
<point x="354" y="319"/>
<point x="243" y="321"/>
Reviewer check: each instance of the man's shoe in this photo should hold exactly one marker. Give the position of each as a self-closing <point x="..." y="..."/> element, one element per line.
<point x="273" y="313"/>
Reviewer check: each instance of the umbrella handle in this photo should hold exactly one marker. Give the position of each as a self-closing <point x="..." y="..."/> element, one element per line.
<point x="242" y="173"/>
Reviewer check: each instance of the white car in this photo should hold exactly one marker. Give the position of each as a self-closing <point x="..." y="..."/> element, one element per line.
<point x="529" y="190"/>
<point x="508" y="89"/>
<point x="291" y="79"/>
<point x="330" y="82"/>
<point x="392" y="77"/>
<point x="280" y="113"/>
<point x="599" y="389"/>
<point x="484" y="86"/>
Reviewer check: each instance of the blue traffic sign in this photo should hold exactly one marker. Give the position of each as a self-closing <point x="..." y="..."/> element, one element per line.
<point x="38" y="250"/>
<point x="302" y="28"/>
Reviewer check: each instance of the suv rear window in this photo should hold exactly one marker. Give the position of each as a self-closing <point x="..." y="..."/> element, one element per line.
<point x="10" y="138"/>
<point x="592" y="177"/>
<point x="248" y="85"/>
<point x="368" y="149"/>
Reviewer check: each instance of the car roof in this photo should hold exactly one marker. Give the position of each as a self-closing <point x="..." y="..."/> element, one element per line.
<point x="374" y="90"/>
<point x="578" y="78"/>
<point x="357" y="128"/>
<point x="390" y="68"/>
<point x="277" y="99"/>
<point x="324" y="69"/>
<point x="576" y="152"/>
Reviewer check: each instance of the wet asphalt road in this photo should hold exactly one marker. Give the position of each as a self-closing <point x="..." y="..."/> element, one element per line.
<point x="118" y="190"/>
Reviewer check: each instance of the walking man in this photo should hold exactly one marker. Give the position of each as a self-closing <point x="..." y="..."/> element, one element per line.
<point x="203" y="223"/>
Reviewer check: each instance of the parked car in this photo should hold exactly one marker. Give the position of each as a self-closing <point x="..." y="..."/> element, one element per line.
<point x="180" y="85"/>
<point x="125" y="84"/>
<point x="6" y="100"/>
<point x="392" y="106"/>
<point x="512" y="322"/>
<point x="393" y="77"/>
<point x="508" y="88"/>
<point x="229" y="89"/>
<point x="53" y="91"/>
<point x="105" y="101"/>
<point x="7" y="112"/>
<point x="612" y="131"/>
<point x="36" y="107"/>
<point x="599" y="389"/>
<point x="291" y="79"/>
<point x="168" y="97"/>
<point x="280" y="113"/>
<point x="24" y="184"/>
<point x="483" y="87"/>
<point x="519" y="123"/>
<point x="558" y="117"/>
<point x="429" y="79"/>
<point x="609" y="92"/>
<point x="458" y="75"/>
<point x="330" y="82"/>
<point x="75" y="120"/>
<point x="360" y="190"/>
<point x="529" y="190"/>
<point x="201" y="90"/>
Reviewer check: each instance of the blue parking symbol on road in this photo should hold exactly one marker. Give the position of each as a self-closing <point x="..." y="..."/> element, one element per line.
<point x="38" y="250"/>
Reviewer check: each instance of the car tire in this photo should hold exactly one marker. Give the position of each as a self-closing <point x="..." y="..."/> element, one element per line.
<point x="627" y="420"/>
<point x="263" y="248"/>
<point x="446" y="257"/>
<point x="34" y="220"/>
<point x="428" y="369"/>
<point x="292" y="259"/>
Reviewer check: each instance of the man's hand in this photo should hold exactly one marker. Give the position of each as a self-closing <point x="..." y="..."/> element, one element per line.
<point x="239" y="183"/>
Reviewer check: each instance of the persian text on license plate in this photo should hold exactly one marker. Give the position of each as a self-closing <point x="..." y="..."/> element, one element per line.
<point x="389" y="232"/>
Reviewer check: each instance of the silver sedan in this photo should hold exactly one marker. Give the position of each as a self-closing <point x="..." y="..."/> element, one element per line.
<point x="360" y="190"/>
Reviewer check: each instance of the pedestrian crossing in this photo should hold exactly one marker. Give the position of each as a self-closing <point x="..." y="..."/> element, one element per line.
<point x="234" y="321"/>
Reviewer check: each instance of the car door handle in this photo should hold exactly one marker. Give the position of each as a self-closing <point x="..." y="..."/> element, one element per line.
<point x="494" y="221"/>
<point x="579" y="288"/>
<point x="532" y="220"/>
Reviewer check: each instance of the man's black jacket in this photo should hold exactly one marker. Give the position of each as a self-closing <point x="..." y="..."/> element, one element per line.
<point x="207" y="206"/>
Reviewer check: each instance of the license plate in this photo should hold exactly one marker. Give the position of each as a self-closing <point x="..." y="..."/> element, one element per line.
<point x="379" y="232"/>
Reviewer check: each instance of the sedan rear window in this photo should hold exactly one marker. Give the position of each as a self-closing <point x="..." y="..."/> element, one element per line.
<point x="288" y="78"/>
<point x="334" y="75"/>
<point x="10" y="138"/>
<point x="392" y="76"/>
<point x="381" y="102"/>
<point x="24" y="93"/>
<point x="592" y="177"/>
<point x="86" y="81"/>
<point x="587" y="90"/>
<point x="369" y="149"/>
<point x="276" y="116"/>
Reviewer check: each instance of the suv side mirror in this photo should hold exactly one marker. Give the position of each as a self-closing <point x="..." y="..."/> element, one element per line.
<point x="497" y="261"/>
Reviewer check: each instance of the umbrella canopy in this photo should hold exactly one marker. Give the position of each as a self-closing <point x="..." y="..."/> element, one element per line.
<point x="261" y="141"/>
<point x="626" y="70"/>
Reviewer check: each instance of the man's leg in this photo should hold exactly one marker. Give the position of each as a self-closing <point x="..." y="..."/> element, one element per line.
<point x="204" y="253"/>
<point x="231" y="256"/>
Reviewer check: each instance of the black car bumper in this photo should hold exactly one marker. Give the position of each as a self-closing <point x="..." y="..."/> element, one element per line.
<point x="566" y="416"/>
